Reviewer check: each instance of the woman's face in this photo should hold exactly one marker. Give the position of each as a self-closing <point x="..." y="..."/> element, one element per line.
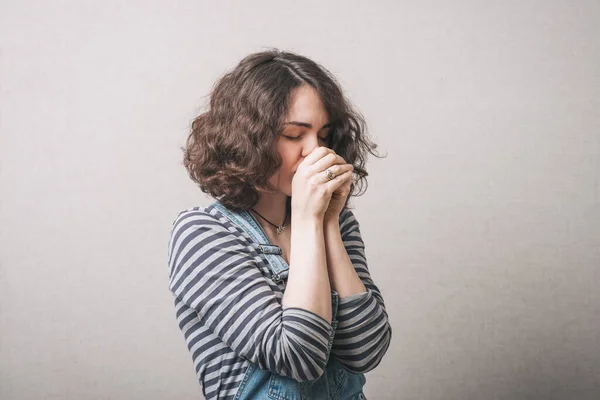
<point x="305" y="128"/>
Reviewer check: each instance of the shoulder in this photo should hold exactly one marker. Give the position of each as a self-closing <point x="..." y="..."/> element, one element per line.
<point x="202" y="215"/>
<point x="204" y="229"/>
<point x="205" y="221"/>
<point x="198" y="213"/>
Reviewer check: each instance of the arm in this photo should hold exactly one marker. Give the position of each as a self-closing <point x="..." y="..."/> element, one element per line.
<point x="364" y="333"/>
<point x="308" y="287"/>
<point x="213" y="271"/>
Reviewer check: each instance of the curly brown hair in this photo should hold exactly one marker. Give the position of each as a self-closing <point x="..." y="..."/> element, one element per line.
<point x="231" y="149"/>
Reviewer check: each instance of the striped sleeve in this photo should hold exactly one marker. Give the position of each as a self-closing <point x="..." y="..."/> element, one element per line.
<point x="363" y="333"/>
<point x="212" y="270"/>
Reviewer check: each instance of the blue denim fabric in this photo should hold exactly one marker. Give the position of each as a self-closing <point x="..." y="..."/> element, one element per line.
<point x="336" y="382"/>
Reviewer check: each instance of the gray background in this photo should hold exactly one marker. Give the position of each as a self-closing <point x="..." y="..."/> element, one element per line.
<point x="482" y="225"/>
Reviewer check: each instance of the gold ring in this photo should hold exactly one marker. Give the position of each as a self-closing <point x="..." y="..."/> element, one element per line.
<point x="330" y="174"/>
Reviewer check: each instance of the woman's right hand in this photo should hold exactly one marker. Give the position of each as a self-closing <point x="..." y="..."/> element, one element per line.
<point x="311" y="189"/>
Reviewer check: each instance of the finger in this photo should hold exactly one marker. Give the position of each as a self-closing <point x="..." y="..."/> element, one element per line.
<point x="333" y="184"/>
<point x="324" y="163"/>
<point x="337" y="171"/>
<point x="338" y="159"/>
<point x="347" y="183"/>
<point x="328" y="161"/>
<point x="315" y="156"/>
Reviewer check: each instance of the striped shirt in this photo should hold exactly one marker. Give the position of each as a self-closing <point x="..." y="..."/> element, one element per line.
<point x="230" y="313"/>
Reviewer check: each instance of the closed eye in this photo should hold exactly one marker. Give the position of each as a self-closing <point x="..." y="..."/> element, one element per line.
<point x="298" y="137"/>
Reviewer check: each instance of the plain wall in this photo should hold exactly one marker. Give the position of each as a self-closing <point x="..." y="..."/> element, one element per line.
<point x="482" y="224"/>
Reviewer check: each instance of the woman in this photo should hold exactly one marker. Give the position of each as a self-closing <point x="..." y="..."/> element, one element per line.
<point x="271" y="286"/>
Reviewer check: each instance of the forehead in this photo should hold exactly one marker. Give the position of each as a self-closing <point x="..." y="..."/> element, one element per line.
<point x="306" y="106"/>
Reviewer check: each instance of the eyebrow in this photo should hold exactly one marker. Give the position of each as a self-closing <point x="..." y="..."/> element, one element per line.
<point x="306" y="125"/>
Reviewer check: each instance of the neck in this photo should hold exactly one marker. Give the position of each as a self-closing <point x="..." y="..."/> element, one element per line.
<point x="272" y="207"/>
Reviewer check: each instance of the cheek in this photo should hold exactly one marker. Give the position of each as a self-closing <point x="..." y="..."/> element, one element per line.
<point x="289" y="155"/>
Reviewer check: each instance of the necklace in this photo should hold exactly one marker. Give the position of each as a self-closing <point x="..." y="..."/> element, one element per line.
<point x="281" y="227"/>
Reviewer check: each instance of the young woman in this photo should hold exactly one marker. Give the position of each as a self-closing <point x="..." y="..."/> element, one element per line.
<point x="271" y="286"/>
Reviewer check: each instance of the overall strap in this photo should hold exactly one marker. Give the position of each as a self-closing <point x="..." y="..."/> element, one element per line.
<point x="245" y="220"/>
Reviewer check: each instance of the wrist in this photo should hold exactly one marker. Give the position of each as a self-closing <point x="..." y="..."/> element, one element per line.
<point x="331" y="223"/>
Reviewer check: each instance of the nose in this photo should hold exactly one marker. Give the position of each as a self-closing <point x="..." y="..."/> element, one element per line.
<point x="311" y="143"/>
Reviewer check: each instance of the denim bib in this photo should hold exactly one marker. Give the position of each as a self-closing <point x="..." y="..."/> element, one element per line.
<point x="336" y="383"/>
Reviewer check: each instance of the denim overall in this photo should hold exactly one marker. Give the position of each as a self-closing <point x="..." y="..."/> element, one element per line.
<point x="336" y="383"/>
